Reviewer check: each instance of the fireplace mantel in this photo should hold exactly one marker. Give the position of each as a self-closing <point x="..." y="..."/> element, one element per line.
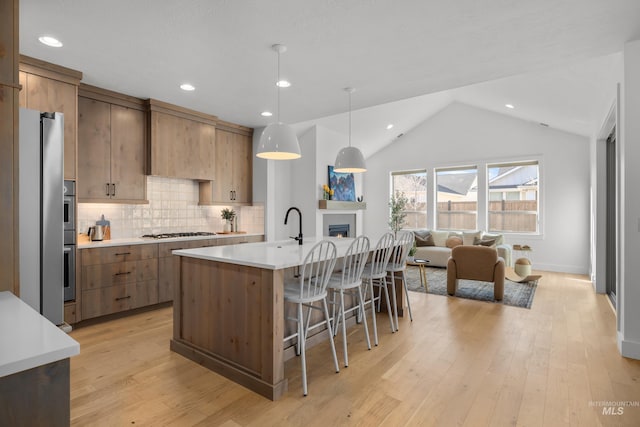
<point x="341" y="205"/>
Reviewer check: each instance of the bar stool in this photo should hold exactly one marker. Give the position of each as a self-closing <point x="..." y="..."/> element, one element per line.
<point x="349" y="281"/>
<point x="375" y="274"/>
<point x="398" y="265"/>
<point x="309" y="289"/>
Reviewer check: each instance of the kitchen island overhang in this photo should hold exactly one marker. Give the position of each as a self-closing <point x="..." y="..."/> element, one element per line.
<point x="229" y="309"/>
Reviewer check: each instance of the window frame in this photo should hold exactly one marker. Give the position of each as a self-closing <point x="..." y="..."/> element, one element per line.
<point x="539" y="211"/>
<point x="392" y="191"/>
<point x="461" y="167"/>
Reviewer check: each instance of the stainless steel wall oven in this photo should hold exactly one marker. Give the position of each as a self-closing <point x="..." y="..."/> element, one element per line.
<point x="69" y="241"/>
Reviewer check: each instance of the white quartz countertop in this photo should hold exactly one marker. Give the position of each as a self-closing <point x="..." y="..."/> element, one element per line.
<point x="268" y="255"/>
<point x="148" y="240"/>
<point x="27" y="339"/>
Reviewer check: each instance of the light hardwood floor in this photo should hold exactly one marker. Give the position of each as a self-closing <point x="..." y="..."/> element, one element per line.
<point x="460" y="362"/>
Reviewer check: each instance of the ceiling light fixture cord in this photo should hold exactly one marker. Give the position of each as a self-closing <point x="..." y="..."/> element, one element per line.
<point x="278" y="87"/>
<point x="350" y="92"/>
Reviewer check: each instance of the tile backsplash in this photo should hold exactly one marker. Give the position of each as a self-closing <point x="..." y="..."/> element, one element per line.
<point x="173" y="207"/>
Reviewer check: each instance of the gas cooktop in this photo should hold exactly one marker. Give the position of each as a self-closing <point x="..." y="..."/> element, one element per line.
<point x="173" y="235"/>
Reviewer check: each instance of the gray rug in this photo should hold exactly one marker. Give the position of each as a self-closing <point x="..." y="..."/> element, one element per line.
<point x="515" y="294"/>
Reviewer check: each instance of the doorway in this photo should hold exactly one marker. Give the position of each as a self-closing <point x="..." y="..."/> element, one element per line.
<point x="611" y="218"/>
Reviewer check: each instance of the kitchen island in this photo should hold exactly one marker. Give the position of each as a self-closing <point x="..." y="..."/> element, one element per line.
<point x="229" y="309"/>
<point x="34" y="366"/>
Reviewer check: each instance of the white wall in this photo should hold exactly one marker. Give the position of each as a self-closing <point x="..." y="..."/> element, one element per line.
<point x="465" y="135"/>
<point x="628" y="289"/>
<point x="301" y="188"/>
<point x="272" y="187"/>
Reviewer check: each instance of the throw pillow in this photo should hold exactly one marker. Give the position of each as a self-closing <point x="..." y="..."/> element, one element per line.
<point x="485" y="242"/>
<point x="424" y="240"/>
<point x="499" y="238"/>
<point x="469" y="237"/>
<point x="453" y="241"/>
<point x="440" y="237"/>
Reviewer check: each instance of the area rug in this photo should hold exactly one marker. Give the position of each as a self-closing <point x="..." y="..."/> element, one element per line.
<point x="515" y="294"/>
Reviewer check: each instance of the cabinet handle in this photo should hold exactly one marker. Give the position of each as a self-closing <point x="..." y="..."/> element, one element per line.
<point x="113" y="190"/>
<point x="123" y="253"/>
<point x="230" y="195"/>
<point x="234" y="194"/>
<point x="121" y="298"/>
<point x="123" y="273"/>
<point x="107" y="188"/>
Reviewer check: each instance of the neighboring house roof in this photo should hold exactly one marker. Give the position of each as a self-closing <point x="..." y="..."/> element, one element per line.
<point x="456" y="183"/>
<point x="514" y="177"/>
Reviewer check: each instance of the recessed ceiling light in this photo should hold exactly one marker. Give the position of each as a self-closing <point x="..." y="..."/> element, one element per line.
<point x="389" y="126"/>
<point x="266" y="114"/>
<point x="50" y="41"/>
<point x="510" y="106"/>
<point x="283" y="83"/>
<point x="188" y="87"/>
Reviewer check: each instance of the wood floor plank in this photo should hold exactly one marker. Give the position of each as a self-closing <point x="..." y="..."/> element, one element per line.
<point x="460" y="362"/>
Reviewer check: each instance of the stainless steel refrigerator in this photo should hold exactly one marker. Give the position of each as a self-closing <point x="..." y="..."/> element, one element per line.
<point x="41" y="226"/>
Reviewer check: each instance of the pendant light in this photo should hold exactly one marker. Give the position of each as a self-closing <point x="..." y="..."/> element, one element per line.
<point x="278" y="140"/>
<point x="350" y="159"/>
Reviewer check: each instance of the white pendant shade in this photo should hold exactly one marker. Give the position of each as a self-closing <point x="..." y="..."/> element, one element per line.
<point x="350" y="160"/>
<point x="278" y="142"/>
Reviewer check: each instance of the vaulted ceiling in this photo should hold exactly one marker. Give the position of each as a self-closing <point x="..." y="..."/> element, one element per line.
<point x="393" y="52"/>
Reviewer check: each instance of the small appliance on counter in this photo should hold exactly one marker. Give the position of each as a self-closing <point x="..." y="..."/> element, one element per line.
<point x="107" y="227"/>
<point x="96" y="233"/>
<point x="101" y="231"/>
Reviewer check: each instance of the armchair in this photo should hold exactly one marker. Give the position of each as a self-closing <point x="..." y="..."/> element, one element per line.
<point x="476" y="263"/>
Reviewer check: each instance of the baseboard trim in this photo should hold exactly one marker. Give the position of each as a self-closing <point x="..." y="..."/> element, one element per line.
<point x="630" y="349"/>
<point x="571" y="269"/>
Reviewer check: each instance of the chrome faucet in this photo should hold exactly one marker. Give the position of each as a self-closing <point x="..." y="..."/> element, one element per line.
<point x="299" y="238"/>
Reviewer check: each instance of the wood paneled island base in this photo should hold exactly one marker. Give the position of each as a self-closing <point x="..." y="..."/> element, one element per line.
<point x="229" y="311"/>
<point x="230" y="319"/>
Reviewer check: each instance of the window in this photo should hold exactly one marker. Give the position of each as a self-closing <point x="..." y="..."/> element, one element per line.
<point x="414" y="186"/>
<point x="513" y="197"/>
<point x="457" y="198"/>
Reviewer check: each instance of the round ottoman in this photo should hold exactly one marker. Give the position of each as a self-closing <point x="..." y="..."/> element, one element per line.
<point x="522" y="267"/>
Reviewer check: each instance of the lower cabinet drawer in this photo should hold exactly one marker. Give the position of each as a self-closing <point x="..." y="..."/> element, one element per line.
<point x="103" y="275"/>
<point x="113" y="299"/>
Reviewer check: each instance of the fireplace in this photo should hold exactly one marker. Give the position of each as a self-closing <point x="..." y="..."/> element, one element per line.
<point x="339" y="223"/>
<point x="339" y="230"/>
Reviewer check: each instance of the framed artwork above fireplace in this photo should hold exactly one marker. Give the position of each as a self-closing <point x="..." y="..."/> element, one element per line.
<point x="343" y="185"/>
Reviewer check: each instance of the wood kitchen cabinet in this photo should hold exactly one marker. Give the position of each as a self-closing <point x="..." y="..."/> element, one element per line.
<point x="182" y="142"/>
<point x="169" y="265"/>
<point x="52" y="88"/>
<point x="118" y="278"/>
<point x="234" y="167"/>
<point x="112" y="147"/>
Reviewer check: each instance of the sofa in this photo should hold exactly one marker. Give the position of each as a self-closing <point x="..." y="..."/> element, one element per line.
<point x="435" y="245"/>
<point x="475" y="263"/>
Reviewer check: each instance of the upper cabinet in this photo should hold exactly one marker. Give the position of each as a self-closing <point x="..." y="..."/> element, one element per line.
<point x="52" y="88"/>
<point x="112" y="147"/>
<point x="182" y="142"/>
<point x="234" y="167"/>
